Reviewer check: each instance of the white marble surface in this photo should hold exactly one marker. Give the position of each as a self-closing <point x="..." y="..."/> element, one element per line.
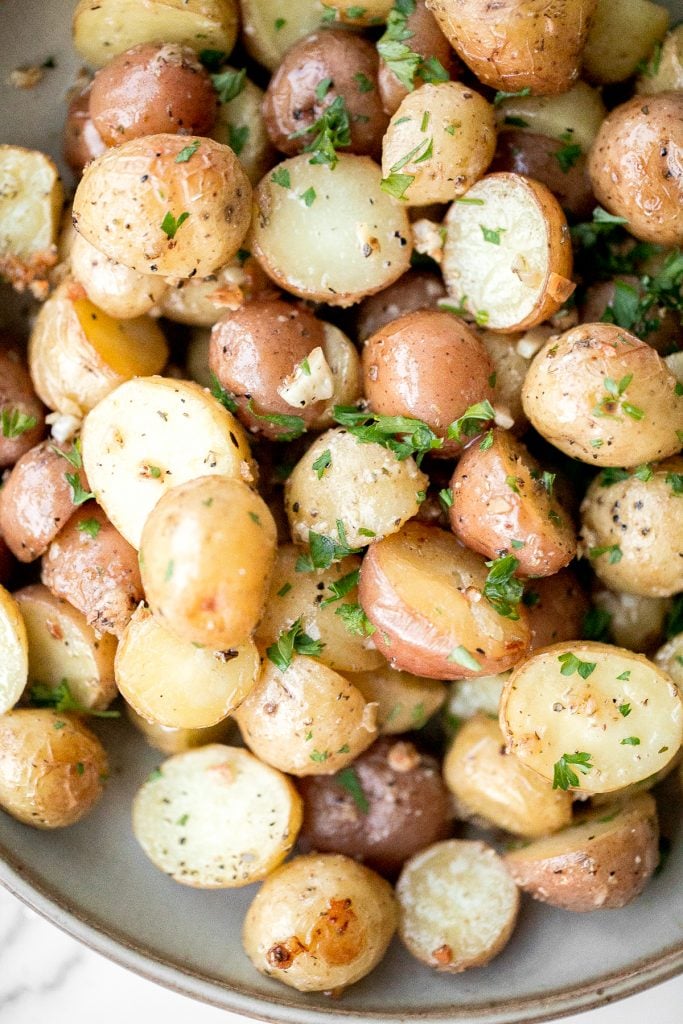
<point x="47" y="976"/>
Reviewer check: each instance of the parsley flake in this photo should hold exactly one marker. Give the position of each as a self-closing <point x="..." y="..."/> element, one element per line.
<point x="170" y="225"/>
<point x="290" y="641"/>
<point x="14" y="423"/>
<point x="570" y="664"/>
<point x="564" y="776"/>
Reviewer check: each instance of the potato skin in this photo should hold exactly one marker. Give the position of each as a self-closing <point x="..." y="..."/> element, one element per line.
<point x="427" y="40"/>
<point x="151" y="89"/>
<point x="428" y="365"/>
<point x="644" y="520"/>
<point x="565" y="397"/>
<point x="636" y="166"/>
<point x="131" y="188"/>
<point x="253" y="350"/>
<point x="517" y="45"/>
<point x="99" y="575"/>
<point x="407" y="808"/>
<point x="604" y="871"/>
<point x="51" y="774"/>
<point x="17" y="394"/>
<point x="536" y="156"/>
<point x="417" y="289"/>
<point x="291" y="103"/>
<point x="207" y="552"/>
<point x="36" y="500"/>
<point x="82" y="141"/>
<point x="556" y="606"/>
<point x="499" y="497"/>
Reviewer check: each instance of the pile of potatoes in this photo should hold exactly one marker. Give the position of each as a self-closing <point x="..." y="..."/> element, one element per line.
<point x="323" y="432"/>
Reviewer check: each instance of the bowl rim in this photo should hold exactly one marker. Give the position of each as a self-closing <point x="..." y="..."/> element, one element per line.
<point x="32" y="890"/>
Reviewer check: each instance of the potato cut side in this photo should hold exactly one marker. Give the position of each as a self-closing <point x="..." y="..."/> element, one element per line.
<point x="154" y="433"/>
<point x="265" y="38"/>
<point x="591" y="717"/>
<point x="621" y="37"/>
<point x="244" y="111"/>
<point x="104" y="28"/>
<point x="345" y="213"/>
<point x="63" y="647"/>
<point x="603" y="861"/>
<point x="177" y="683"/>
<point x="579" y="112"/>
<point x="31" y="199"/>
<point x="507" y="257"/>
<point x="216" y="817"/>
<point x="14" y="647"/>
<point x="404" y="701"/>
<point x="458" y="905"/>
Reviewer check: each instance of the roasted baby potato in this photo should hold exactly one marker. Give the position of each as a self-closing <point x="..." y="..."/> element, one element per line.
<point x="503" y="503"/>
<point x="508" y="353"/>
<point x="78" y="353"/>
<point x="216" y="817"/>
<point x="458" y="905"/>
<point x="174" y="740"/>
<point x="325" y="601"/>
<point x="363" y="493"/>
<point x="304" y="211"/>
<point x="507" y="259"/>
<point x="22" y="419"/>
<point x="151" y="89"/>
<point x="154" y="433"/>
<point x="31" y="203"/>
<point x="632" y="530"/>
<point x="670" y="658"/>
<point x="178" y="684"/>
<point x="424" y="593"/>
<point x="320" y="923"/>
<point x="558" y="164"/>
<point x="517" y="46"/>
<point x="316" y="75"/>
<point x="52" y="768"/>
<point x="382" y="809"/>
<point x="621" y="37"/>
<point x="62" y="646"/>
<point x="200" y="302"/>
<point x="92" y="567"/>
<point x="430" y="366"/>
<point x="104" y="28"/>
<point x="165" y="216"/>
<point x="632" y="621"/>
<point x="664" y="71"/>
<point x="304" y="718"/>
<point x="206" y="554"/>
<point x="267" y="36"/>
<point x="36" y="499"/>
<point x="601" y="862"/>
<point x="573" y="117"/>
<point x="404" y="701"/>
<point x="14" y="664"/>
<point x="591" y="717"/>
<point x="240" y="123"/>
<point x="82" y="141"/>
<point x="442" y="137"/>
<point x="635" y="166"/>
<point x="602" y="396"/>
<point x="118" y="291"/>
<point x="418" y="289"/>
<point x="492" y="786"/>
<point x="397" y="77"/>
<point x="556" y="607"/>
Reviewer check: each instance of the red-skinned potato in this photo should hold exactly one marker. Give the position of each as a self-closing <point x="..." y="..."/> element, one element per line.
<point x="314" y="73"/>
<point x="6" y="562"/>
<point x="525" y="44"/>
<point x="37" y="500"/>
<point x="23" y="416"/>
<point x="636" y="166"/>
<point x="556" y="607"/>
<point x="390" y="803"/>
<point x="82" y="141"/>
<point x="92" y="567"/>
<point x="427" y="40"/>
<point x="151" y="89"/>
<point x="601" y="295"/>
<point x="551" y="162"/>
<point x="428" y="365"/>
<point x="424" y="593"/>
<point x="418" y="289"/>
<point x="503" y="504"/>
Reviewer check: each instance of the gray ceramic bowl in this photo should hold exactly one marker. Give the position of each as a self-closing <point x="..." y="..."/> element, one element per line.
<point x="93" y="881"/>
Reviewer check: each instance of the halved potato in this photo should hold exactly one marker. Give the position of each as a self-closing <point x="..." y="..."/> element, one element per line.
<point x="154" y="433"/>
<point x="240" y="125"/>
<point x="573" y="117"/>
<point x="345" y="212"/>
<point x="200" y="302"/>
<point x="311" y="597"/>
<point x="62" y="646"/>
<point x="104" y="28"/>
<point x="602" y="862"/>
<point x="424" y="593"/>
<point x="591" y="717"/>
<point x="307" y="719"/>
<point x="621" y="36"/>
<point x="14" y="646"/>
<point x="270" y="27"/>
<point x="176" y="683"/>
<point x="404" y="701"/>
<point x="664" y="70"/>
<point x="635" y="622"/>
<point x="216" y="817"/>
<point x="458" y="905"/>
<point x="491" y="785"/>
<point x="669" y="657"/>
<point x="507" y="259"/>
<point x="31" y="199"/>
<point x="78" y="353"/>
<point x="171" y="739"/>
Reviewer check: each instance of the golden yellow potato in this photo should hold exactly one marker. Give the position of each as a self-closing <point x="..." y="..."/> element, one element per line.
<point x="14" y="663"/>
<point x="117" y="290"/>
<point x="404" y="701"/>
<point x="172" y="739"/>
<point x="30" y="208"/>
<point x="621" y="37"/>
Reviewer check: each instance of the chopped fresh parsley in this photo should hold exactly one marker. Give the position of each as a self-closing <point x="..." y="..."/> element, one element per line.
<point x="322" y="89"/>
<point x="60" y="699"/>
<point x="624" y="709"/>
<point x="170" y="225"/>
<point x="363" y="82"/>
<point x="280" y="176"/>
<point x="446" y="497"/>
<point x="491" y="234"/>
<point x="238" y="137"/>
<point x="323" y="462"/>
<point x="570" y="664"/>
<point x="502" y="589"/>
<point x="500" y="96"/>
<point x="564" y="776"/>
<point x="472" y="421"/>
<point x="396" y="185"/>
<point x="348" y="779"/>
<point x="675" y="482"/>
<point x="319" y="756"/>
<point x="332" y="131"/>
<point x="341" y="587"/>
<point x="613" y="550"/>
<point x="461" y="656"/>
<point x="309" y="197"/>
<point x="630" y="741"/>
<point x="568" y="153"/>
<point x="323" y="551"/>
<point x="355" y="620"/>
<point x="78" y="494"/>
<point x="14" y="422"/>
<point x="402" y="435"/>
<point x="73" y="456"/>
<point x="90" y="526"/>
<point x="290" y="641"/>
<point x="596" y="625"/>
<point x="226" y="398"/>
<point x="212" y="59"/>
<point x="294" y="426"/>
<point x="188" y="152"/>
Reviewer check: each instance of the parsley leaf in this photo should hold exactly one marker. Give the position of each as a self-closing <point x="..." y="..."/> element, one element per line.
<point x="323" y="551"/>
<point x="332" y="131"/>
<point x="348" y="779"/>
<point x="402" y="435"/>
<point x="564" y="776"/>
<point x="596" y="625"/>
<point x="355" y="620"/>
<point x="624" y="710"/>
<point x="14" y="422"/>
<point x="229" y="84"/>
<point x="226" y="398"/>
<point x="90" y="526"/>
<point x="186" y="154"/>
<point x="568" y="154"/>
<point x="471" y="421"/>
<point x="341" y="587"/>
<point x="630" y="741"/>
<point x="212" y="59"/>
<point x="500" y="96"/>
<point x="502" y="590"/>
<point x="61" y="699"/>
<point x="613" y="550"/>
<point x="461" y="656"/>
<point x="570" y="664"/>
<point x="78" y="494"/>
<point x="294" y="426"/>
<point x="280" y="176"/>
<point x="492" y="235"/>
<point x="170" y="225"/>
<point x="309" y="197"/>
<point x="323" y="462"/>
<point x="290" y="641"/>
<point x="237" y="137"/>
<point x="675" y="482"/>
